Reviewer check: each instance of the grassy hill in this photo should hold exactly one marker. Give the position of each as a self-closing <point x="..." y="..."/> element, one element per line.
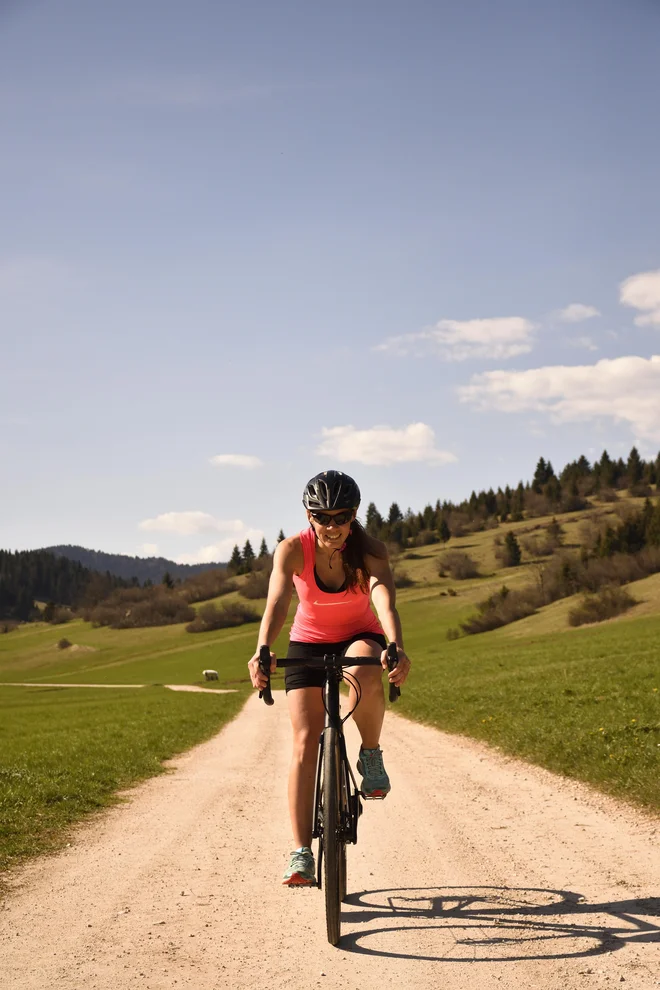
<point x="584" y="702"/>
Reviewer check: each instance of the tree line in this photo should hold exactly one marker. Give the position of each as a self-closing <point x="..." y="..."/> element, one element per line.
<point x="245" y="560"/>
<point x="29" y="575"/>
<point x="548" y="493"/>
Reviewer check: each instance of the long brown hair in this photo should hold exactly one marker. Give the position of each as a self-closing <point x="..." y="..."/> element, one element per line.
<point x="356" y="569"/>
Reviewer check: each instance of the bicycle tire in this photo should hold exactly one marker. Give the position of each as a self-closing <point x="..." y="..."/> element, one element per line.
<point x="334" y="853"/>
<point x="344" y="813"/>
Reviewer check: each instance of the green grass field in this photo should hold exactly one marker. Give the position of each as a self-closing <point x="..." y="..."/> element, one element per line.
<point x="584" y="702"/>
<point x="65" y="752"/>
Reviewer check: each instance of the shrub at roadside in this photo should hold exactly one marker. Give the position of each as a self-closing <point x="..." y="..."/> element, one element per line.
<point x="567" y="574"/>
<point x="256" y="585"/>
<point x="507" y="551"/>
<point x="56" y="615"/>
<point x="208" y="584"/>
<point x="610" y="601"/>
<point x="457" y="565"/>
<point x="503" y="607"/>
<point x="425" y="538"/>
<point x="212" y="617"/>
<point x="402" y="579"/>
<point x="132" y="608"/>
<point x="562" y="577"/>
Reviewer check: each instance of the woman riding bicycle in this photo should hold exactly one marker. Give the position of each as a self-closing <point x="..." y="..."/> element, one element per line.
<point x="336" y="568"/>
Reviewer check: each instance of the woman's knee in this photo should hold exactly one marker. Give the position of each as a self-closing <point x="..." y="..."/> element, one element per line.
<point x="305" y="744"/>
<point x="370" y="680"/>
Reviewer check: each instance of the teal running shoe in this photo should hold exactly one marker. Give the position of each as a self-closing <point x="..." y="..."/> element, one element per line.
<point x="301" y="871"/>
<point x="375" y="782"/>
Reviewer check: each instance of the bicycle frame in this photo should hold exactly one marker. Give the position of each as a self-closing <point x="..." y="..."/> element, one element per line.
<point x="333" y="719"/>
<point x="337" y="805"/>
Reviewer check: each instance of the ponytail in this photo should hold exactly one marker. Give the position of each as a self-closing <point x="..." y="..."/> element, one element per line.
<point x="356" y="569"/>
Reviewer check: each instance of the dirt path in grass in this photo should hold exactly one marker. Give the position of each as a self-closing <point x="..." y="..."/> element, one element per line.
<point x="171" y="687"/>
<point x="477" y="871"/>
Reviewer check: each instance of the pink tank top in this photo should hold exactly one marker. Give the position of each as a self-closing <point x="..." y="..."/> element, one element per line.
<point x="327" y="617"/>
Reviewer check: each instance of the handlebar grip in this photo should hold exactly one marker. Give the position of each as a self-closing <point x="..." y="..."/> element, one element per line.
<point x="264" y="664"/>
<point x="392" y="660"/>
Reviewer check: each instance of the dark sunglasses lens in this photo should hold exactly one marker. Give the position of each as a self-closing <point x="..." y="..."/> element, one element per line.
<point x="324" y="518"/>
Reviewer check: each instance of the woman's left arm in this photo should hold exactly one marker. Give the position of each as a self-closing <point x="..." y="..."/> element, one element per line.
<point x="383" y="595"/>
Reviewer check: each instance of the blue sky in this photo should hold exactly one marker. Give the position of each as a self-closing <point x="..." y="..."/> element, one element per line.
<point x="239" y="244"/>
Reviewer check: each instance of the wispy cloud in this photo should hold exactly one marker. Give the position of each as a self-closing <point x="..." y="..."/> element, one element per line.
<point x="147" y="550"/>
<point x="642" y="292"/>
<point x="383" y="445"/>
<point x="247" y="461"/>
<point x="190" y="523"/>
<point x="221" y="549"/>
<point x="624" y="389"/>
<point x="577" y="312"/>
<point x="587" y="343"/>
<point x="462" y="340"/>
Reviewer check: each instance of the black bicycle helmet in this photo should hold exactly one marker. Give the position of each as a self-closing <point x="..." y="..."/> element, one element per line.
<point x="331" y="490"/>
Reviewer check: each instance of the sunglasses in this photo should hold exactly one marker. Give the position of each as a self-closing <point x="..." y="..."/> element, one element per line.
<point x="324" y="518"/>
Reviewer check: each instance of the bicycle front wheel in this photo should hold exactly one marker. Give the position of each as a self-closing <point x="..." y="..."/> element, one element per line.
<point x="334" y="852"/>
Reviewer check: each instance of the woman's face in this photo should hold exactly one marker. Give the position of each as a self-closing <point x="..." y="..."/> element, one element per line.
<point x="329" y="533"/>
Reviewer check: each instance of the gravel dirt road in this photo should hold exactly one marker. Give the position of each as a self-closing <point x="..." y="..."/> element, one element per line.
<point x="477" y="871"/>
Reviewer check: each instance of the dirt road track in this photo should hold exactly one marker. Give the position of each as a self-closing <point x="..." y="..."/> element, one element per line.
<point x="477" y="871"/>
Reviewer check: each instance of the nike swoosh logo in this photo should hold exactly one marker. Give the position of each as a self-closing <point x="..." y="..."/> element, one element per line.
<point x="330" y="604"/>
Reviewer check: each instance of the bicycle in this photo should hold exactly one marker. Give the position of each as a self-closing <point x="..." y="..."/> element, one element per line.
<point x="337" y="804"/>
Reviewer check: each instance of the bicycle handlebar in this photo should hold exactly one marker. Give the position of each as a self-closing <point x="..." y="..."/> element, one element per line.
<point x="264" y="664"/>
<point x="322" y="661"/>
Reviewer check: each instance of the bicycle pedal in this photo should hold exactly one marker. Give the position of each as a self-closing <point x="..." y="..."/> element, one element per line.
<point x="377" y="796"/>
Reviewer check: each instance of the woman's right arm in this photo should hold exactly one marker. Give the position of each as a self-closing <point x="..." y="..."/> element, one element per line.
<point x="280" y="589"/>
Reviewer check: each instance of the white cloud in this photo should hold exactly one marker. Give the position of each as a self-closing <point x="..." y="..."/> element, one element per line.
<point x="576" y="313"/>
<point x="220" y="551"/>
<point x="236" y="460"/>
<point x="643" y="292"/>
<point x="382" y="445"/>
<point x="191" y="523"/>
<point x="625" y="389"/>
<point x="147" y="550"/>
<point x="461" y="340"/>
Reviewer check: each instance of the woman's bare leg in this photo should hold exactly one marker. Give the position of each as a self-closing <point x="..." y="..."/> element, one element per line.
<point x="307" y="718"/>
<point x="369" y="714"/>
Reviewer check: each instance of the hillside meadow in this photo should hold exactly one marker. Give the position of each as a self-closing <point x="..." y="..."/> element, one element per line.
<point x="583" y="702"/>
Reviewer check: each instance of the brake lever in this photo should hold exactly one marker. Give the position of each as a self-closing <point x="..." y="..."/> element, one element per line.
<point x="392" y="661"/>
<point x="264" y="666"/>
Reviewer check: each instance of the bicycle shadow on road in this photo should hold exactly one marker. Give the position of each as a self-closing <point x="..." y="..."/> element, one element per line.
<point x="495" y="924"/>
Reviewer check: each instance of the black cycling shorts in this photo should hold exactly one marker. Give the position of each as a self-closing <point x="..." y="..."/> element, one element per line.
<point x="302" y="677"/>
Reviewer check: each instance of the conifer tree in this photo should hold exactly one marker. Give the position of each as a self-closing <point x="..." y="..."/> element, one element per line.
<point x="263" y="549"/>
<point x="513" y="552"/>
<point x="235" y="561"/>
<point x="444" y="531"/>
<point x="374" y="521"/>
<point x="395" y="514"/>
<point x="540" y="476"/>
<point x="280" y="537"/>
<point x="167" y="580"/>
<point x="248" y="555"/>
<point x="635" y="467"/>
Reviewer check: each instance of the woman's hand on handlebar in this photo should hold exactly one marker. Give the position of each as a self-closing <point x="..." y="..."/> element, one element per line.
<point x="398" y="675"/>
<point x="258" y="678"/>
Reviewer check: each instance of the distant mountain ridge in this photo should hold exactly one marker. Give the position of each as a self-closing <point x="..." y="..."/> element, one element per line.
<point x="121" y="565"/>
